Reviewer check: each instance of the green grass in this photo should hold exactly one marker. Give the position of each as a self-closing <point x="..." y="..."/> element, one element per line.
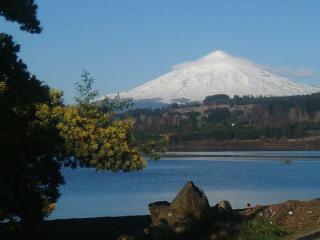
<point x="258" y="230"/>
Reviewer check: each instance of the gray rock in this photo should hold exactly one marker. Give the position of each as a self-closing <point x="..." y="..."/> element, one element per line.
<point x="159" y="211"/>
<point x="224" y="207"/>
<point x="214" y="236"/>
<point x="191" y="201"/>
<point x="124" y="237"/>
<point x="190" y="205"/>
<point x="180" y="228"/>
<point x="146" y="231"/>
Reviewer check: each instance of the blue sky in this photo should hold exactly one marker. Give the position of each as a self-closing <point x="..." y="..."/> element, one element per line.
<point x="124" y="43"/>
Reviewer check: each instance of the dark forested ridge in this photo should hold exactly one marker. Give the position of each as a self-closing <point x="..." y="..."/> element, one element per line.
<point x="220" y="118"/>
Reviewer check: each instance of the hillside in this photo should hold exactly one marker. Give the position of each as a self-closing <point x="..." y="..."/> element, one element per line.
<point x="222" y="123"/>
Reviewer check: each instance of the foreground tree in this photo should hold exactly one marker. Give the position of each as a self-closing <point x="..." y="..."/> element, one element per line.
<point x="39" y="133"/>
<point x="29" y="150"/>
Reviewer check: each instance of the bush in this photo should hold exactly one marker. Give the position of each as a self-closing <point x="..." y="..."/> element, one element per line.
<point x="258" y="230"/>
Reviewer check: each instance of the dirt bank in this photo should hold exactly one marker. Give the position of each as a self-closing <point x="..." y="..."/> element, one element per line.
<point x="298" y="217"/>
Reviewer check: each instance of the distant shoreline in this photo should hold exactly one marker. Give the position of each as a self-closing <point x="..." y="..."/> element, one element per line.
<point x="237" y="157"/>
<point x="303" y="144"/>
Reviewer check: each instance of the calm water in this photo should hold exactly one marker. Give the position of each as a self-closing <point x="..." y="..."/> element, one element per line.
<point x="240" y="177"/>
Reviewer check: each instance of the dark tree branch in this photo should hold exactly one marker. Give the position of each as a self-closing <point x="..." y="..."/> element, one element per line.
<point x="24" y="12"/>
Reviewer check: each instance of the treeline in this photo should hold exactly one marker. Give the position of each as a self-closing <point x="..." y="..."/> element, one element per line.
<point x="308" y="103"/>
<point x="222" y="118"/>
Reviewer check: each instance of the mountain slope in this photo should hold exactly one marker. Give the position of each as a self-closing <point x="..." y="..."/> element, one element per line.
<point x="217" y="73"/>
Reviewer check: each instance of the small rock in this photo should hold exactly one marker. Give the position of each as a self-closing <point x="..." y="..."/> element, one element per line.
<point x="146" y="231"/>
<point x="224" y="207"/>
<point x="223" y="233"/>
<point x="124" y="237"/>
<point x="214" y="236"/>
<point x="157" y="212"/>
<point x="179" y="229"/>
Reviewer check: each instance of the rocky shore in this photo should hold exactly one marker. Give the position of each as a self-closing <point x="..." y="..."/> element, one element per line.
<point x="189" y="216"/>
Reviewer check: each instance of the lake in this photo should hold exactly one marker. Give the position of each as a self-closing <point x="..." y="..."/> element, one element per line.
<point x="239" y="177"/>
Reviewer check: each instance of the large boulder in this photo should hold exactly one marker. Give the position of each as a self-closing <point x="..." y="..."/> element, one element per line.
<point x="189" y="206"/>
<point x="191" y="201"/>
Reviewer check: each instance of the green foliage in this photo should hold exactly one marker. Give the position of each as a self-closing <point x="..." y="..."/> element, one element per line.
<point x="91" y="136"/>
<point x="86" y="94"/>
<point x="114" y="105"/>
<point x="29" y="150"/>
<point x="39" y="132"/>
<point x="218" y="114"/>
<point x="23" y="12"/>
<point x="216" y="99"/>
<point x="86" y="97"/>
<point x="151" y="148"/>
<point x="258" y="230"/>
<point x="308" y="103"/>
<point x="244" y="118"/>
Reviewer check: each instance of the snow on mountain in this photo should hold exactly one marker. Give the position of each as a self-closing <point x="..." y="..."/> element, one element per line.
<point x="217" y="73"/>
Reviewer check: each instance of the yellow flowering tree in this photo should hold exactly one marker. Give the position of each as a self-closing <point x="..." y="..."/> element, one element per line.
<point x="92" y="135"/>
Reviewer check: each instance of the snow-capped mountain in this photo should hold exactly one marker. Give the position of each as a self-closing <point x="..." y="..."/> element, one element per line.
<point x="217" y="73"/>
